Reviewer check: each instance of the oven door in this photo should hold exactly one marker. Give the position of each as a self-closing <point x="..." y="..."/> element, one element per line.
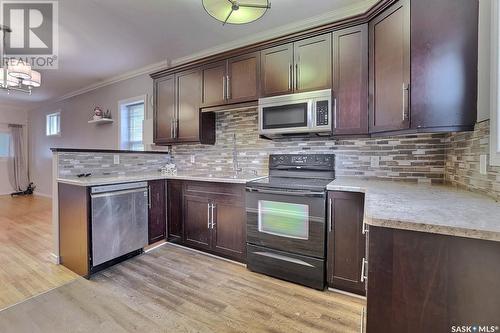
<point x="291" y="221"/>
<point x="289" y="118"/>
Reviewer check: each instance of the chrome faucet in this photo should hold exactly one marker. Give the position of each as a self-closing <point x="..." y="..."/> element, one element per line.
<point x="236" y="167"/>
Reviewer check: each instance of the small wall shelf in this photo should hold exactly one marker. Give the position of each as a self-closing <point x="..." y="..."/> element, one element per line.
<point x="101" y="121"/>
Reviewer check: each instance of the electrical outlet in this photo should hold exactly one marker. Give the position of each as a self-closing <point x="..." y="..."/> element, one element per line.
<point x="375" y="161"/>
<point x="483" y="163"/>
<point x="193" y="159"/>
<point x="116" y="159"/>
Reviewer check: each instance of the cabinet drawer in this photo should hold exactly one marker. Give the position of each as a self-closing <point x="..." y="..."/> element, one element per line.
<point x="287" y="266"/>
<point x="222" y="191"/>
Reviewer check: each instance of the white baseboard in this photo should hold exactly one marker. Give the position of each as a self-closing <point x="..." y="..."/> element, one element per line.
<point x="40" y="194"/>
<point x="55" y="259"/>
<point x="346" y="293"/>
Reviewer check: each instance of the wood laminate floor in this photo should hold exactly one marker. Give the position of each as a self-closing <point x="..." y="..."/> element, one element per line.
<point x="172" y="289"/>
<point x="26" y="268"/>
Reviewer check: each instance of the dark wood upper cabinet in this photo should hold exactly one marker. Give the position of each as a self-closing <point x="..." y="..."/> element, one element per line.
<point x="165" y="110"/>
<point x="444" y="37"/>
<point x="313" y="63"/>
<point x="231" y="81"/>
<point x="243" y="78"/>
<point x="350" y="80"/>
<point x="174" y="211"/>
<point x="423" y="68"/>
<point x="277" y="70"/>
<point x="346" y="242"/>
<point x="390" y="69"/>
<point x="177" y="115"/>
<point x="214" y="84"/>
<point x="157" y="220"/>
<point x="297" y="67"/>
<point x="188" y="104"/>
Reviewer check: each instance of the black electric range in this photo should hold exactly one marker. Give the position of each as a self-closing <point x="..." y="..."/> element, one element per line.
<point x="286" y="218"/>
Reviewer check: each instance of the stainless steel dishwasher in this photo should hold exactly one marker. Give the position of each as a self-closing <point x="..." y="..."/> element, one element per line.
<point x="119" y="220"/>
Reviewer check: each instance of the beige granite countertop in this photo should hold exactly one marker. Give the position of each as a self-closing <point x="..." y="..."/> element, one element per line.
<point x="196" y="176"/>
<point x="440" y="209"/>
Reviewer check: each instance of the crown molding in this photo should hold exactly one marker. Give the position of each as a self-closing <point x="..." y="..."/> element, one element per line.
<point x="328" y="17"/>
<point x="122" y="77"/>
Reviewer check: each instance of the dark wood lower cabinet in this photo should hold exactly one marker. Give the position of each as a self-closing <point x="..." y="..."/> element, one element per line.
<point x="346" y="242"/>
<point x="209" y="217"/>
<point x="157" y="221"/>
<point x="197" y="225"/>
<point x="174" y="211"/>
<point x="423" y="282"/>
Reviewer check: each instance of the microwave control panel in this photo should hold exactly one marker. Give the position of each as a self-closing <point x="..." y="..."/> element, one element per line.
<point x="322" y="113"/>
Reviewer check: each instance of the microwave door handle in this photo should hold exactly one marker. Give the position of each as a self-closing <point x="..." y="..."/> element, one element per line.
<point x="311" y="112"/>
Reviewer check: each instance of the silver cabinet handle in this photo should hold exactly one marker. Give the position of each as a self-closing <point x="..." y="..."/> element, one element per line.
<point x="335" y="112"/>
<point x="330" y="215"/>
<point x="149" y="196"/>
<point x="208" y="215"/>
<point x="297" y="73"/>
<point x="171" y="127"/>
<point x="212" y="210"/>
<point x="228" y="87"/>
<point x="364" y="262"/>
<point x="406" y="88"/>
<point x="290" y="77"/>
<point x="224" y="88"/>
<point x="364" y="228"/>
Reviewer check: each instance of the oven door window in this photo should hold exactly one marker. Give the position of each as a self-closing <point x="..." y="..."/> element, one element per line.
<point x="284" y="219"/>
<point x="285" y="116"/>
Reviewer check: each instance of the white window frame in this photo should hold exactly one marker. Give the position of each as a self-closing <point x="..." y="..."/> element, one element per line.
<point x="122" y="106"/>
<point x="6" y="131"/>
<point x="495" y="85"/>
<point x="58" y="114"/>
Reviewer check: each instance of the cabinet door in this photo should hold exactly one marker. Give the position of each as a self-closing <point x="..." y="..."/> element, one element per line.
<point x="350" y="80"/>
<point x="390" y="69"/>
<point x="188" y="106"/>
<point x="444" y="63"/>
<point x="243" y="74"/>
<point x="174" y="211"/>
<point x="229" y="232"/>
<point x="197" y="229"/>
<point x="157" y="220"/>
<point x="276" y="70"/>
<point x="164" y="113"/>
<point x="313" y="63"/>
<point x="346" y="242"/>
<point x="214" y="84"/>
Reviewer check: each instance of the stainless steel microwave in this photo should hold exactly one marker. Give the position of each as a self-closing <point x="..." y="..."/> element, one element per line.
<point x="296" y="114"/>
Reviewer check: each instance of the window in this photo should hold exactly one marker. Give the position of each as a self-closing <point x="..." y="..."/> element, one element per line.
<point x="4" y="145"/>
<point x="53" y="124"/>
<point x="495" y="85"/>
<point x="132" y="118"/>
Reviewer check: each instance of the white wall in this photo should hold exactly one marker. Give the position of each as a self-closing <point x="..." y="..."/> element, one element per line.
<point x="483" y="97"/>
<point x="75" y="131"/>
<point x="7" y="117"/>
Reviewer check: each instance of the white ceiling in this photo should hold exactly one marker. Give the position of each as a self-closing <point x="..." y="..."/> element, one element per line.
<point x="102" y="39"/>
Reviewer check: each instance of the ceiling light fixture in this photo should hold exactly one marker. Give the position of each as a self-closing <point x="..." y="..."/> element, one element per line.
<point x="236" y="12"/>
<point x="15" y="74"/>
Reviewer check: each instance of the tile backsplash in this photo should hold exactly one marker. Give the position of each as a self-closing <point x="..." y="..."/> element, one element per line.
<point x="102" y="164"/>
<point x="463" y="155"/>
<point x="415" y="158"/>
